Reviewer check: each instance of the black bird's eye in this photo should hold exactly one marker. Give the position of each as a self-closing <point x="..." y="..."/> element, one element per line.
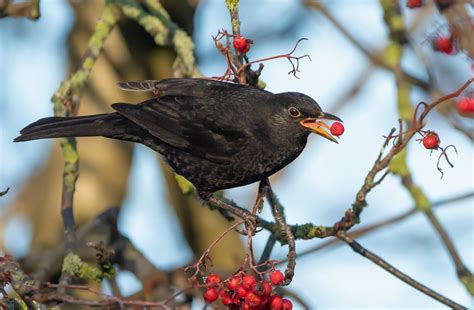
<point x="294" y="112"/>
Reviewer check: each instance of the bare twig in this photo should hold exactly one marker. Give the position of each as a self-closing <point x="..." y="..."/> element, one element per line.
<point x="197" y="270"/>
<point x="397" y="273"/>
<point x="382" y="162"/>
<point x="385" y="223"/>
<point x="285" y="230"/>
<point x="463" y="273"/>
<point x="289" y="56"/>
<point x="267" y="251"/>
<point x="4" y="192"/>
<point x="375" y="58"/>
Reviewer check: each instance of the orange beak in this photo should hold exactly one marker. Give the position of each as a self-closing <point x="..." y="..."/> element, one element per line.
<point x="318" y="127"/>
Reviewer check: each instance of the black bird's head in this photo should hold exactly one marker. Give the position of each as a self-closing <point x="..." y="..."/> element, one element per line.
<point x="306" y="114"/>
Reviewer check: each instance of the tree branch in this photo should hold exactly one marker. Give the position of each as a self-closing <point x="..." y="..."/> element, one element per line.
<point x="356" y="247"/>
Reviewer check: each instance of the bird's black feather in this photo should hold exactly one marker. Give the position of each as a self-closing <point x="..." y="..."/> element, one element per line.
<point x="218" y="135"/>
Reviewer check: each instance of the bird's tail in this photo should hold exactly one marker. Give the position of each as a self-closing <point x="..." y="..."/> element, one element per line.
<point x="107" y="125"/>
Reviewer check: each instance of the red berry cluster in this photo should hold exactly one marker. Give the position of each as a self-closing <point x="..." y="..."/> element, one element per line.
<point x="242" y="44"/>
<point x="243" y="291"/>
<point x="413" y="4"/>
<point x="465" y="106"/>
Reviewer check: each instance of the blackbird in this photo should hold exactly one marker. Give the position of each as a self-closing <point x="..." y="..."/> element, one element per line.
<point x="216" y="134"/>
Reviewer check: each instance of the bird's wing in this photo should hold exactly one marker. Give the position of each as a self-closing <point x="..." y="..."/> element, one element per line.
<point x="199" y="126"/>
<point x="178" y="86"/>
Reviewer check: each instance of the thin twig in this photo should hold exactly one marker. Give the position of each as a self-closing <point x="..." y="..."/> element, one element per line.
<point x="385" y="223"/>
<point x="267" y="251"/>
<point x="461" y="269"/>
<point x="375" y="58"/>
<point x="285" y="229"/>
<point x="66" y="103"/>
<point x="4" y="192"/>
<point x="397" y="273"/>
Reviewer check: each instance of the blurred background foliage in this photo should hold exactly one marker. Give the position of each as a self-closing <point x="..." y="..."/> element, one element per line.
<point x="168" y="230"/>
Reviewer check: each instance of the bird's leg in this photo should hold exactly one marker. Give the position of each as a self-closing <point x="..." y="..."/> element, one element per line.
<point x="257" y="208"/>
<point x="285" y="231"/>
<point x="262" y="192"/>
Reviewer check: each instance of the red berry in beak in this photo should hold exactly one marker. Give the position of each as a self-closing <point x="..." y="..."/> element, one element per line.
<point x="337" y="129"/>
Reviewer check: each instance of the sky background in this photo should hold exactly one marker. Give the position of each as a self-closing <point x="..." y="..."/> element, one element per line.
<point x="318" y="187"/>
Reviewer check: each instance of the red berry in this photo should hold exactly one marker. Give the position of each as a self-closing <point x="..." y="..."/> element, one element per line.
<point x="337" y="129"/>
<point x="276" y="277"/>
<point x="276" y="302"/>
<point x="241" y="291"/>
<point x="213" y="280"/>
<point x="412" y="4"/>
<point x="252" y="299"/>
<point x="210" y="295"/>
<point x="223" y="292"/>
<point x="226" y="300"/>
<point x="287" y="304"/>
<point x="242" y="44"/>
<point x="465" y="105"/>
<point x="431" y="140"/>
<point x="233" y="282"/>
<point x="248" y="281"/>
<point x="262" y="288"/>
<point x="443" y="45"/>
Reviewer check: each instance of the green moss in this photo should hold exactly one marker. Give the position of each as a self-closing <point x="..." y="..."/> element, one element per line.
<point x="261" y="84"/>
<point x="35" y="11"/>
<point x="131" y="11"/>
<point x="397" y="23"/>
<point x="393" y="54"/>
<point x="156" y="28"/>
<point x="468" y="282"/>
<point x="74" y="266"/>
<point x="309" y="231"/>
<point x="184" y="47"/>
<point x="185" y="186"/>
<point x="88" y="63"/>
<point x="235" y="24"/>
<point x="157" y="8"/>
<point x="232" y="5"/>
<point x="69" y="151"/>
<point x="79" y="79"/>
